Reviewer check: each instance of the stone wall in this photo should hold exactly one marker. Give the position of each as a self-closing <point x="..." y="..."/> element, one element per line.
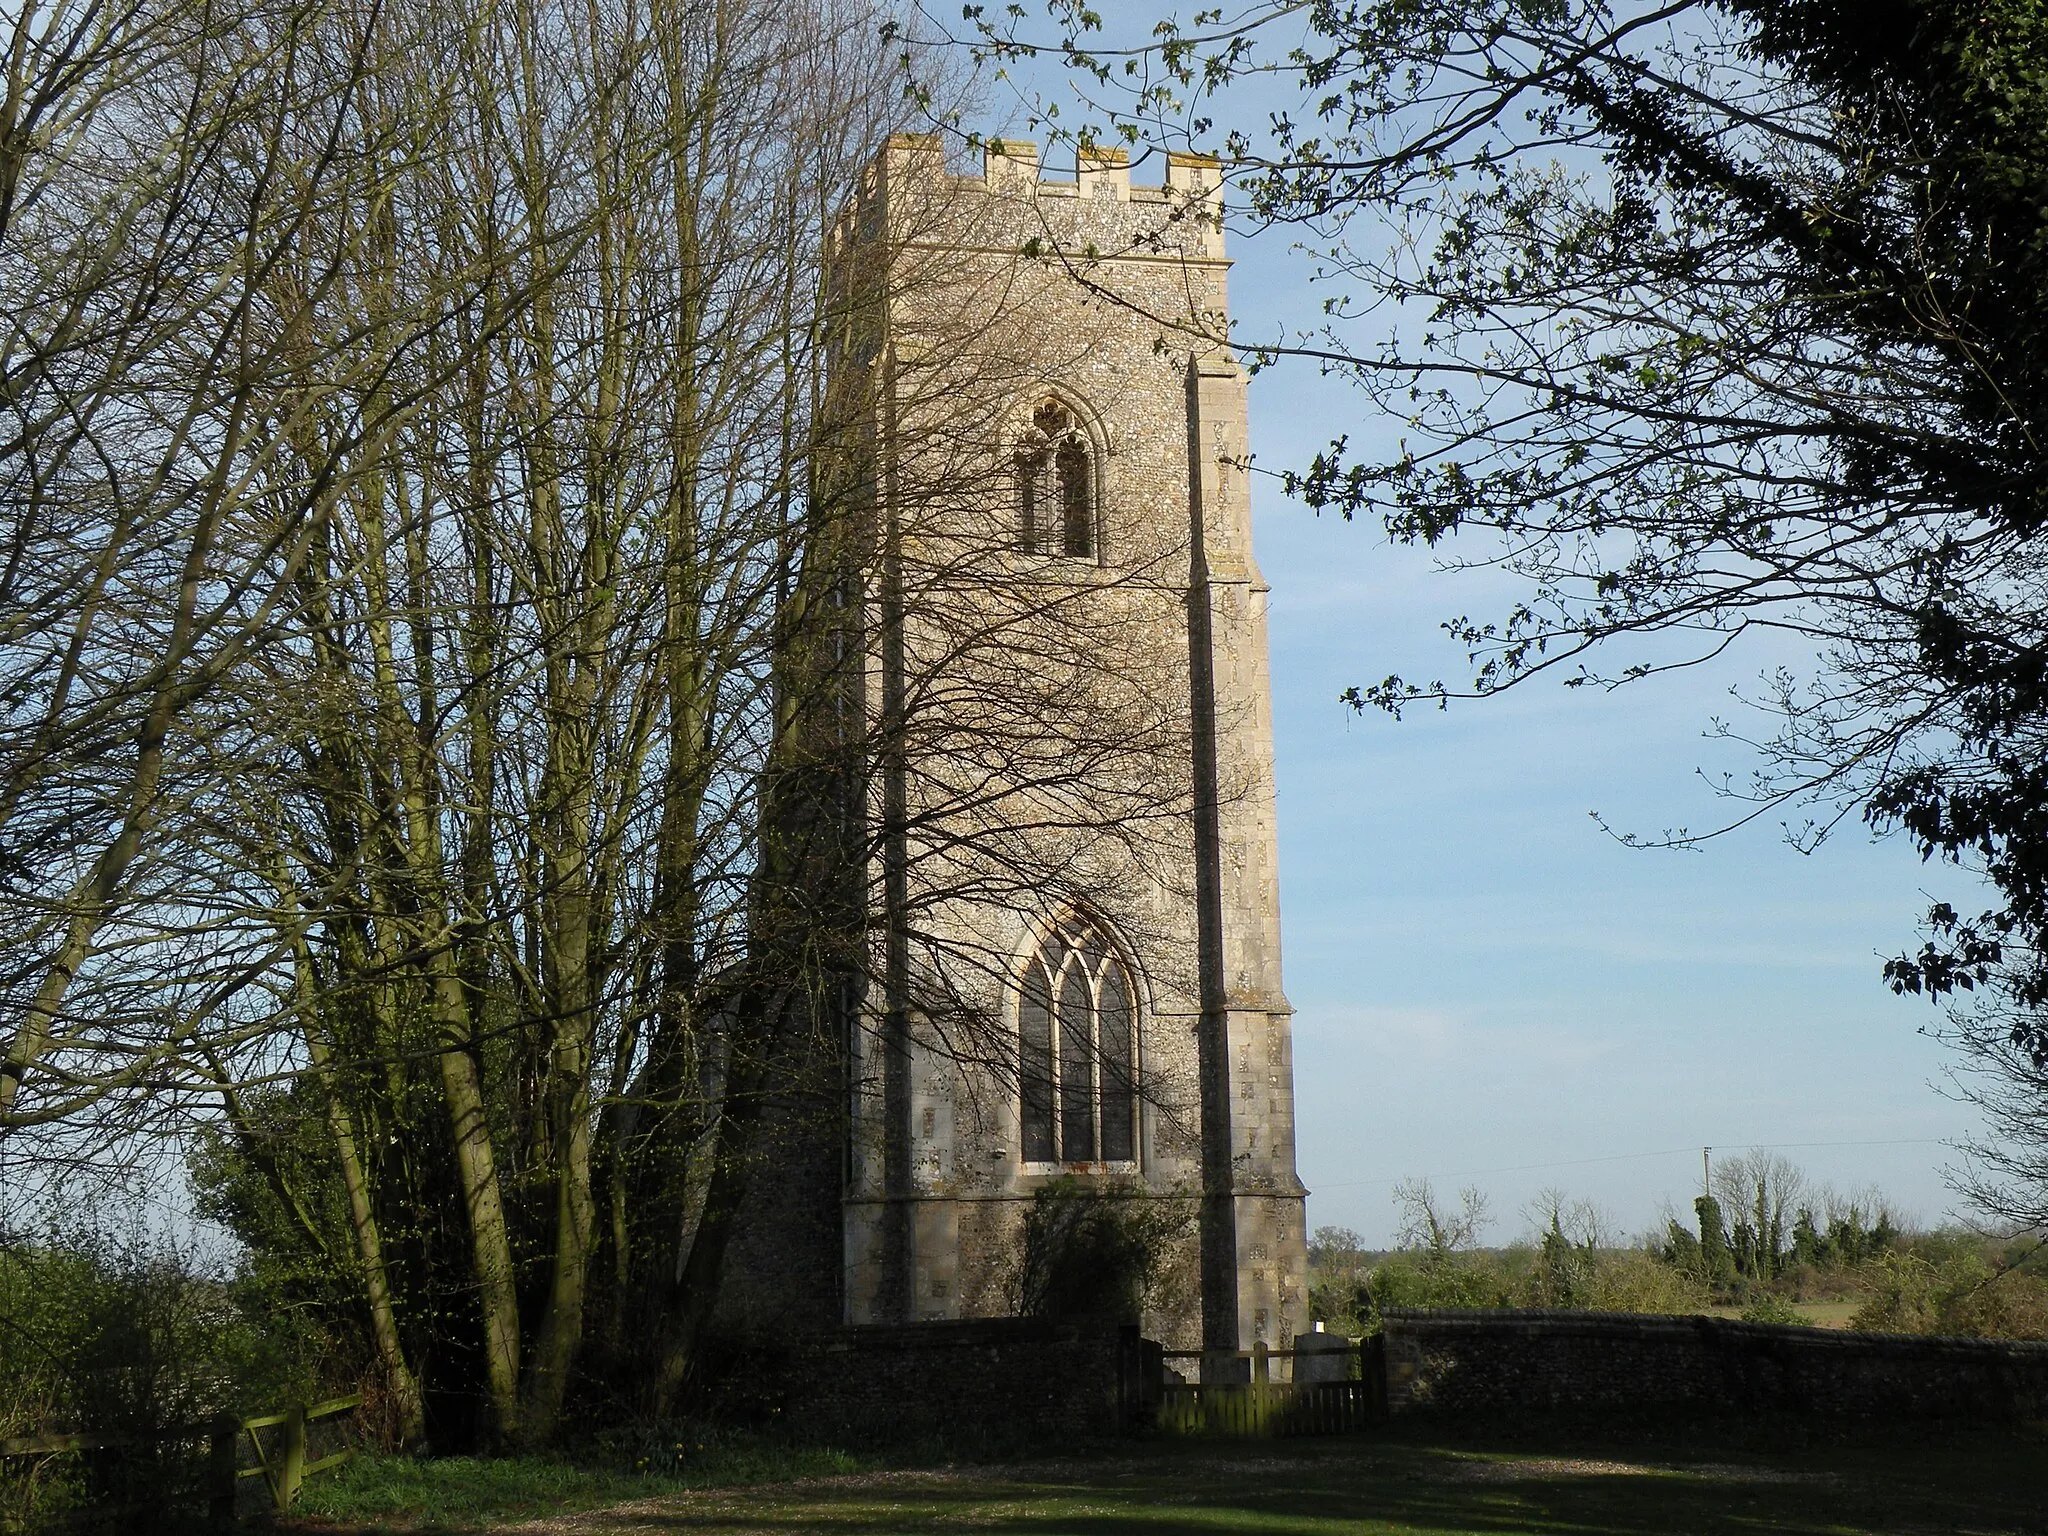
<point x="1472" y="1360"/>
<point x="1010" y="1379"/>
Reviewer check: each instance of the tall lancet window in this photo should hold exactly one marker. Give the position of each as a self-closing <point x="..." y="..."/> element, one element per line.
<point x="1077" y="1052"/>
<point x="1055" y="486"/>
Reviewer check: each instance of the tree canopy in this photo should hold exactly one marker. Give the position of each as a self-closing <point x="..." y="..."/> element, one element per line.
<point x="1720" y="317"/>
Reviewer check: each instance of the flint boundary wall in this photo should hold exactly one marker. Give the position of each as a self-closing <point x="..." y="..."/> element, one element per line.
<point x="1006" y="1379"/>
<point x="1507" y="1361"/>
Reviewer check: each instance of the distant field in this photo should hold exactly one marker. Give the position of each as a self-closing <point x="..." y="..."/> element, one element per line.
<point x="1788" y="1478"/>
<point x="1828" y="1314"/>
<point x="1821" y="1314"/>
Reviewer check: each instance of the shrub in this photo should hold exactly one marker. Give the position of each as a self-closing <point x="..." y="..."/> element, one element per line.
<point x="123" y="1336"/>
<point x="1567" y="1276"/>
<point x="1410" y="1279"/>
<point x="1940" y="1288"/>
<point x="1091" y="1251"/>
<point x="1636" y="1280"/>
<point x="1338" y="1263"/>
<point x="1770" y="1308"/>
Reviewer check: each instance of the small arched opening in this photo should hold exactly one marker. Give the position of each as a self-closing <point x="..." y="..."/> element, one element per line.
<point x="1056" y="502"/>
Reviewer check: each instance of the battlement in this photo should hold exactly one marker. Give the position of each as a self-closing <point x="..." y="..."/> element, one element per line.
<point x="1012" y="171"/>
<point x="1010" y="167"/>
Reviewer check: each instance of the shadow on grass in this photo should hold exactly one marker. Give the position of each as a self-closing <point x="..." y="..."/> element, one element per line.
<point x="467" y="1493"/>
<point x="1587" y="1481"/>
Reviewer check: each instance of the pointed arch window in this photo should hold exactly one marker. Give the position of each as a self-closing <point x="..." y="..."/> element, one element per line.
<point x="1078" y="1052"/>
<point x="1056" y="486"/>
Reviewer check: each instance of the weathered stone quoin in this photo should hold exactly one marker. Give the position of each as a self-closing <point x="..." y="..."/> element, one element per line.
<point x="1064" y="665"/>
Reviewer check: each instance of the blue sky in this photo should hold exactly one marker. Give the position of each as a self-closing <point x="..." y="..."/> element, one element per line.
<point x="1487" y="981"/>
<point x="1490" y="989"/>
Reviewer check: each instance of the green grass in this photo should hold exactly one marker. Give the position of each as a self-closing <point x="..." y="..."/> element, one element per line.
<point x="1421" y="1480"/>
<point x="1827" y="1314"/>
<point x="1817" y="1314"/>
<point x="474" y="1493"/>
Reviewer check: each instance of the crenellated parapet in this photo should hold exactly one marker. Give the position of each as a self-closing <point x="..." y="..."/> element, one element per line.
<point x="1099" y="209"/>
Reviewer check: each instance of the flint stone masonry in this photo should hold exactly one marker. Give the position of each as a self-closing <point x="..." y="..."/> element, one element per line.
<point x="1471" y="1360"/>
<point x="979" y="335"/>
<point x="1037" y="744"/>
<point x="1003" y="1377"/>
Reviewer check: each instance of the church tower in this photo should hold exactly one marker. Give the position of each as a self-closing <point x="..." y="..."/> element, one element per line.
<point x="1058" y="678"/>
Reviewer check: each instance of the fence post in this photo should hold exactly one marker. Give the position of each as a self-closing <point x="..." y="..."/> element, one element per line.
<point x="292" y="1469"/>
<point x="220" y="1471"/>
<point x="1261" y="1401"/>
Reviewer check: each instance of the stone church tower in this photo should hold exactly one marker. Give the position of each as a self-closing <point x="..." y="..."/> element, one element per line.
<point x="1058" y="673"/>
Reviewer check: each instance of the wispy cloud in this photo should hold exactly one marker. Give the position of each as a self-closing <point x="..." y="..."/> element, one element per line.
<point x="1411" y="1038"/>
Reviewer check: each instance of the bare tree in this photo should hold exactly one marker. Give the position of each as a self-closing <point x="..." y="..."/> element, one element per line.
<point x="1579" y="1222"/>
<point x="1426" y="1223"/>
<point x="440" y="765"/>
<point x="1761" y="1190"/>
<point x="519" y="740"/>
<point x="182" y="204"/>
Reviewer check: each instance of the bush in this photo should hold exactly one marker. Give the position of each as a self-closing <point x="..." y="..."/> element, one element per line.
<point x="1770" y="1308"/>
<point x="1955" y="1290"/>
<point x="1096" y="1252"/>
<point x="1410" y="1279"/>
<point x="123" y="1336"/>
<point x="1572" y="1278"/>
<point x="1950" y="1281"/>
<point x="1636" y="1280"/>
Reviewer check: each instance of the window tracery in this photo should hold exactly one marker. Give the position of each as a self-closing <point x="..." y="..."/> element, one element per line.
<point x="1056" y="486"/>
<point x="1077" y="1051"/>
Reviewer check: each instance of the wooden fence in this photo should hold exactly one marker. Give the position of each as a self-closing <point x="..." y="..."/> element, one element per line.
<point x="1251" y="1410"/>
<point x="1263" y="1408"/>
<point x="285" y="1466"/>
<point x="282" y="1464"/>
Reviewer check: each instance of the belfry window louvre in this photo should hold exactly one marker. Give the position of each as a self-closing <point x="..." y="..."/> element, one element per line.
<point x="1077" y="1044"/>
<point x="1055" y="486"/>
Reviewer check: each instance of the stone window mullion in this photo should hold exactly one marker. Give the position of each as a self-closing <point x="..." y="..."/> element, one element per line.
<point x="1056" y="480"/>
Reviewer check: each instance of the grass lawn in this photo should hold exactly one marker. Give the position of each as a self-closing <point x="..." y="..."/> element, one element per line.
<point x="1827" y="1314"/>
<point x="466" y="1493"/>
<point x="1737" y="1480"/>
<point x="1819" y="1314"/>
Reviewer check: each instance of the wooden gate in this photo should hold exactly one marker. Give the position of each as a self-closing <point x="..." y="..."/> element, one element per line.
<point x="283" y="1464"/>
<point x="1263" y="1408"/>
<point x="1251" y="1410"/>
